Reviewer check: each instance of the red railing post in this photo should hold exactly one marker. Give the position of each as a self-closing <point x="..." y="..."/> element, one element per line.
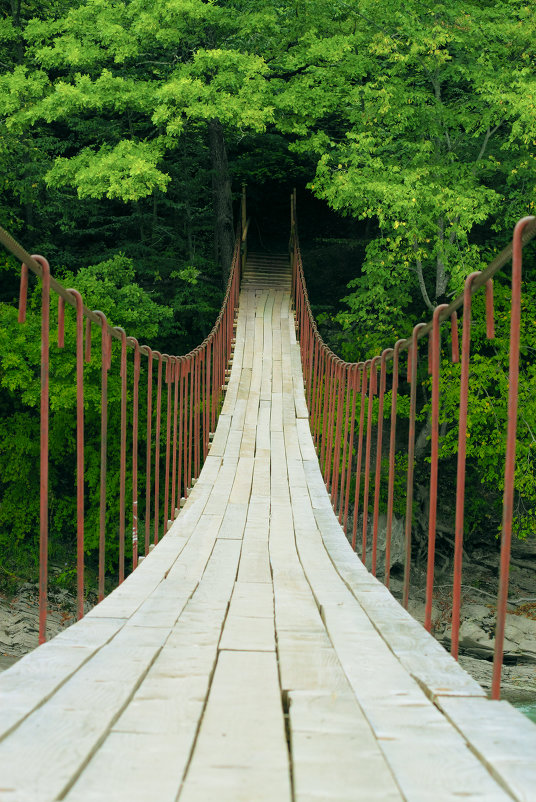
<point x="79" y="451"/>
<point x="148" y="448"/>
<point x="460" y="476"/>
<point x="135" y="406"/>
<point x="174" y="451"/>
<point x="509" y="468"/>
<point x="377" y="477"/>
<point x="122" y="452"/>
<point x="435" y="353"/>
<point x="44" y="414"/>
<point x="372" y="392"/>
<point x="160" y="358"/>
<point x="392" y="450"/>
<point x="354" y="387"/>
<point x="169" y="380"/>
<point x="105" y="362"/>
<point x="360" y="450"/>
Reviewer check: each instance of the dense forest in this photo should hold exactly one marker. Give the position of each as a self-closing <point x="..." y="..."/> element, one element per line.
<point x="128" y="129"/>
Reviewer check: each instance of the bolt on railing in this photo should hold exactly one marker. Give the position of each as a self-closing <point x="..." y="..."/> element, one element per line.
<point x="340" y="401"/>
<point x="190" y="387"/>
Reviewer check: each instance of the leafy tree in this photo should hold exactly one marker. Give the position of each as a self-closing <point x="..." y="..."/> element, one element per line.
<point x="421" y="119"/>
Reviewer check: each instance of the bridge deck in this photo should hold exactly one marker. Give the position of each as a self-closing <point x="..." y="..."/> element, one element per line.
<point x="251" y="657"/>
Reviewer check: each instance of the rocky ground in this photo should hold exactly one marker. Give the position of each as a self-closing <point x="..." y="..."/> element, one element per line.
<point x="19" y="620"/>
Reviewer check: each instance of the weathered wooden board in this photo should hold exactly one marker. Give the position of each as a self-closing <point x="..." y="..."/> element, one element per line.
<point x="335" y="755"/>
<point x="241" y="751"/>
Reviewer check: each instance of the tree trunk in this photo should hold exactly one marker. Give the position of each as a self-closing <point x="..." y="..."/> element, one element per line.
<point x="223" y="201"/>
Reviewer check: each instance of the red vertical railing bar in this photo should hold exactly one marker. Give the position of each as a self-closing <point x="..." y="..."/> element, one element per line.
<point x="191" y="392"/>
<point x="79" y="451"/>
<point x="205" y="360"/>
<point x="312" y="375"/>
<point x="320" y="413"/>
<point x="338" y="437"/>
<point x="460" y="475"/>
<point x="174" y="451"/>
<point x="331" y="421"/>
<point x="148" y="448"/>
<point x="193" y="454"/>
<point x="379" y="444"/>
<point x="135" y="407"/>
<point x="413" y="358"/>
<point x="103" y="452"/>
<point x="123" y="453"/>
<point x="204" y="401"/>
<point x="435" y="354"/>
<point x="319" y="400"/>
<point x="509" y="468"/>
<point x="208" y="368"/>
<point x="392" y="450"/>
<point x="315" y="414"/>
<point x="180" y="370"/>
<point x="346" y="406"/>
<point x="356" y="370"/>
<point x="215" y="379"/>
<point x="326" y="414"/>
<point x="186" y="428"/>
<point x="366" y="486"/>
<point x="169" y="380"/>
<point x="313" y="345"/>
<point x="360" y="450"/>
<point x="197" y="440"/>
<point x="157" y="445"/>
<point x="43" y="485"/>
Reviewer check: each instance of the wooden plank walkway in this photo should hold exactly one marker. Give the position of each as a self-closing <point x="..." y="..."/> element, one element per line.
<point x="251" y="657"/>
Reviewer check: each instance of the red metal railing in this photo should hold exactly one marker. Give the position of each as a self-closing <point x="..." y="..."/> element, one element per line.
<point x="194" y="385"/>
<point x="340" y="400"/>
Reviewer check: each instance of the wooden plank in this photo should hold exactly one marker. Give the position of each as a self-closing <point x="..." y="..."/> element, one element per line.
<point x="219" y="576"/>
<point x="248" y="442"/>
<point x="133" y="767"/>
<point x="220" y="435"/>
<point x="266" y="380"/>
<point x="502" y="737"/>
<point x="258" y="518"/>
<point x="306" y="441"/>
<point x="232" y="449"/>
<point x="276" y="418"/>
<point x="254" y="561"/>
<point x="263" y="428"/>
<point x="292" y="443"/>
<point x="241" y="751"/>
<point x="260" y="487"/>
<point x="248" y="633"/>
<point x="57" y="739"/>
<point x="335" y="755"/>
<point x="241" y="488"/>
<point x="234" y="521"/>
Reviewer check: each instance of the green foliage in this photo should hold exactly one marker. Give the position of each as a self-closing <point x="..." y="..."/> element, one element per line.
<point x="488" y="410"/>
<point x="422" y="127"/>
<point x="109" y="286"/>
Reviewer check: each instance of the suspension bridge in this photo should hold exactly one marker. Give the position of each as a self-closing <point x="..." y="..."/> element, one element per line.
<point x="250" y="655"/>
